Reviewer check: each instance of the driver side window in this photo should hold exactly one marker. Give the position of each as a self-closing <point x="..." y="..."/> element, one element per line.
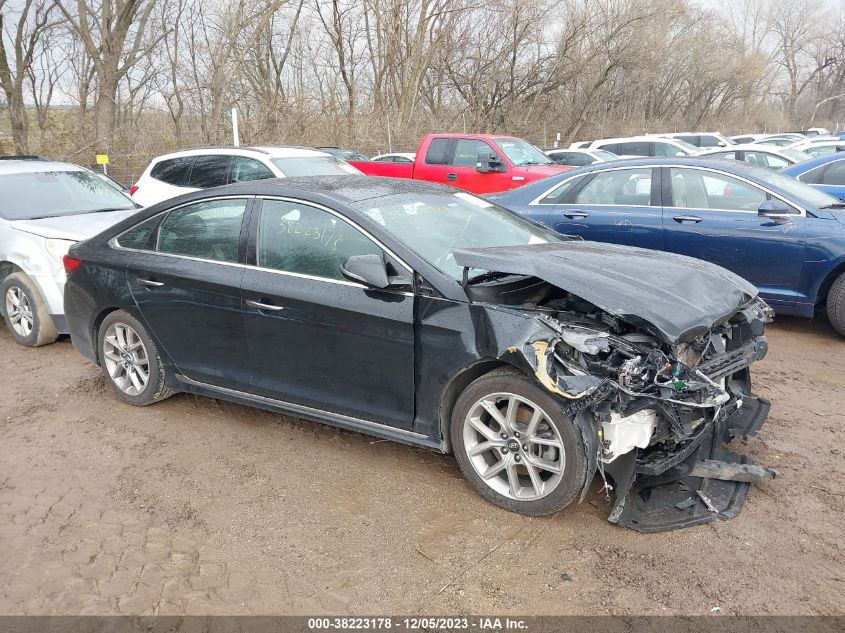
<point x="467" y="150"/>
<point x="299" y="238"/>
<point x="696" y="189"/>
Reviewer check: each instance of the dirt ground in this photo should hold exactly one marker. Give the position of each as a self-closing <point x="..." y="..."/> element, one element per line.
<point x="197" y="506"/>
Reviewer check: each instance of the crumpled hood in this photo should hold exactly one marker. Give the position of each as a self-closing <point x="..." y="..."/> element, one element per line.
<point x="72" y="227"/>
<point x="679" y="296"/>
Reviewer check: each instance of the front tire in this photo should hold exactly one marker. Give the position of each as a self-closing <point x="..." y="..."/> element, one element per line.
<point x="836" y="304"/>
<point x="26" y="312"/>
<point x="130" y="360"/>
<point x="515" y="445"/>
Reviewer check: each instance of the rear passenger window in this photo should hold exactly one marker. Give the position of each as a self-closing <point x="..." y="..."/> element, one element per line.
<point x="298" y="238"/>
<point x="209" y="171"/>
<point x="173" y="171"/>
<point x="207" y="230"/>
<point x="138" y="237"/>
<point x="557" y="195"/>
<point x="438" y="151"/>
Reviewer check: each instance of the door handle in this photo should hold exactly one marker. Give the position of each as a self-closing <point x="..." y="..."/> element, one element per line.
<point x="575" y="214"/>
<point x="680" y="219"/>
<point x="149" y="283"/>
<point x="264" y="306"/>
<point x="451" y="177"/>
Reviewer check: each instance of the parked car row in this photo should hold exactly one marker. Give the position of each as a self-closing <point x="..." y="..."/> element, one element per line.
<point x="571" y="324"/>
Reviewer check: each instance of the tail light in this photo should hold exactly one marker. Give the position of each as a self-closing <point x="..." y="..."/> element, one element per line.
<point x="133" y="189"/>
<point x="71" y="263"/>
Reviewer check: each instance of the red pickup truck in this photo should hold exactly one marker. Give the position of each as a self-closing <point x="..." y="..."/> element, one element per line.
<point x="473" y="162"/>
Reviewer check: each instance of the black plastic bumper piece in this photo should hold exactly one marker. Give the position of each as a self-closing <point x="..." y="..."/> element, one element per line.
<point x="674" y="499"/>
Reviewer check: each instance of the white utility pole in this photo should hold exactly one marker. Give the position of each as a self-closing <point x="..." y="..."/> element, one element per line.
<point x="235" y="134"/>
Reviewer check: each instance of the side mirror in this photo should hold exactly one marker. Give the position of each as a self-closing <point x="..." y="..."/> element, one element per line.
<point x="774" y="209"/>
<point x="369" y="270"/>
<point x="488" y="162"/>
<point x="680" y="153"/>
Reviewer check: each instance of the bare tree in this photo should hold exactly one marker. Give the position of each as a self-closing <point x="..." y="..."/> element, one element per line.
<point x="115" y="37"/>
<point x="33" y="20"/>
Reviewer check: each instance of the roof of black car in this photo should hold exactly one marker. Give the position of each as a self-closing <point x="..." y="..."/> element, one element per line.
<point x="349" y="189"/>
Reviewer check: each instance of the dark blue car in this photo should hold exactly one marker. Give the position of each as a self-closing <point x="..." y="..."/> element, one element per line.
<point x="826" y="173"/>
<point x="781" y="234"/>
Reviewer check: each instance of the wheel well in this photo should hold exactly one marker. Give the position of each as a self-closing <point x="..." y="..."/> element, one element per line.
<point x="454" y="389"/>
<point x="824" y="288"/>
<point x="6" y="269"/>
<point x="95" y="330"/>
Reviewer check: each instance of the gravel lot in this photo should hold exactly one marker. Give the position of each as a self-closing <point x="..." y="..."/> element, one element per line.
<point x="199" y="506"/>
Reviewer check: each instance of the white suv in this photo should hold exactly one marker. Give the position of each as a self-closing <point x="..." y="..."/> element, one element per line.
<point x="653" y="145"/>
<point x="181" y="172"/>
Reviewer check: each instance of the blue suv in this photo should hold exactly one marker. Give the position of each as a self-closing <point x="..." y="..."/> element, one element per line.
<point x="782" y="235"/>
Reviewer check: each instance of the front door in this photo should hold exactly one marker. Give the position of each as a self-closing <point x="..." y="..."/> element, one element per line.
<point x="186" y="285"/>
<point x="316" y="338"/>
<point x="621" y="206"/>
<point x="463" y="172"/>
<point x="713" y="216"/>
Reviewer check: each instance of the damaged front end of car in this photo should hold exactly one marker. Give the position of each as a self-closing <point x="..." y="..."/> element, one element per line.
<point x="656" y="407"/>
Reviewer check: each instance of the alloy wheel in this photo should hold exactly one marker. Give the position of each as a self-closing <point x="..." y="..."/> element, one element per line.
<point x="126" y="359"/>
<point x="19" y="311"/>
<point x="514" y="447"/>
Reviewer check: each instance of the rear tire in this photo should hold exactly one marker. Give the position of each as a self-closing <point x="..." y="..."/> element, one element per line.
<point x="26" y="312"/>
<point x="836" y="304"/>
<point x="130" y="360"/>
<point x="515" y="445"/>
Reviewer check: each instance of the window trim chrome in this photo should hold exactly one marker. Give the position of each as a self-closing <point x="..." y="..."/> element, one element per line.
<point x="115" y="244"/>
<point x="802" y="212"/>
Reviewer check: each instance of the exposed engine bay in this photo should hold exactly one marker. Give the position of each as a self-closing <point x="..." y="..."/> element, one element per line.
<point x="655" y="410"/>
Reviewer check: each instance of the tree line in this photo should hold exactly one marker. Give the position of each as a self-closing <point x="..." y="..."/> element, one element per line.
<point x="139" y="76"/>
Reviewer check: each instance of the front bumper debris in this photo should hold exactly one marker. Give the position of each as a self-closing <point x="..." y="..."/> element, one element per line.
<point x="700" y="482"/>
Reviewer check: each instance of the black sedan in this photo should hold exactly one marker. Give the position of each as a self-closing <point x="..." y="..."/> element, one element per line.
<point x="426" y="315"/>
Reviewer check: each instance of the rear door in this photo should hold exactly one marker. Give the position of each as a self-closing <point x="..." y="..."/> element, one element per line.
<point x="186" y="285"/>
<point x="317" y="339"/>
<point x="621" y="206"/>
<point x="713" y="216"/>
<point x="433" y="163"/>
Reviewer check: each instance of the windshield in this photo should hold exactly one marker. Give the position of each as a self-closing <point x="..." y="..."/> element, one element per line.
<point x="434" y="224"/>
<point x="795" y="154"/>
<point x="48" y="194"/>
<point x="604" y="154"/>
<point x="805" y="194"/>
<point x="314" y="166"/>
<point x="520" y="153"/>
